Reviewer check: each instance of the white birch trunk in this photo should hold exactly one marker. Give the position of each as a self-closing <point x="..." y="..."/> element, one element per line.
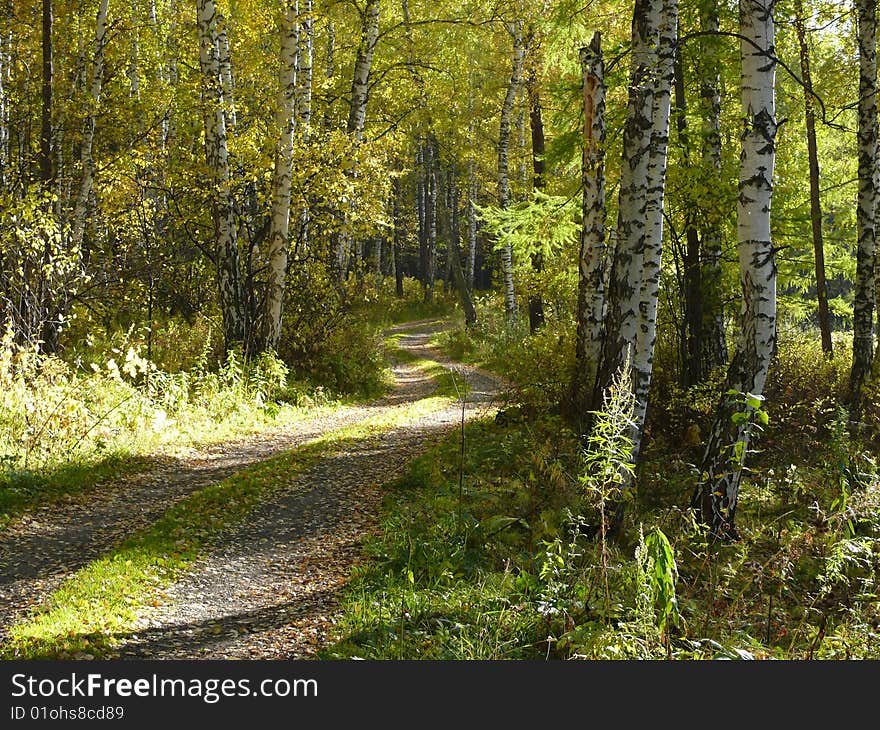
<point x="504" y="130"/>
<point x="357" y="112"/>
<point x="472" y="188"/>
<point x="88" y="161"/>
<point x="866" y="211"/>
<point x="217" y="157"/>
<point x="430" y="160"/>
<point x="227" y="83"/>
<point x="279" y="225"/>
<point x="718" y="491"/>
<point x="5" y="60"/>
<point x="624" y="285"/>
<point x="360" y="85"/>
<point x="304" y="106"/>
<point x="591" y="261"/>
<point x="649" y="290"/>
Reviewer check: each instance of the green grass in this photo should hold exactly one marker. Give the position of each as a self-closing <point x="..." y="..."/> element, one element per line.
<point x="389" y="310"/>
<point x="439" y="583"/>
<point x="449" y="383"/>
<point x="497" y="573"/>
<point x="21" y="490"/>
<point x="98" y="605"/>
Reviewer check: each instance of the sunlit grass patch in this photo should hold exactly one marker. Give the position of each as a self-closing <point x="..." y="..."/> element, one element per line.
<point x="99" y="604"/>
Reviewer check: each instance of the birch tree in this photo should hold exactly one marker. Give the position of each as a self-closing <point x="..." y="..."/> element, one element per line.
<point x="591" y="261"/>
<point x="866" y="210"/>
<point x="504" y="129"/>
<point x="217" y="157"/>
<point x="304" y="74"/>
<point x="649" y="289"/>
<point x="279" y="224"/>
<point x="722" y="466"/>
<point x="357" y="110"/>
<point x="624" y="285"/>
<point x="87" y="183"/>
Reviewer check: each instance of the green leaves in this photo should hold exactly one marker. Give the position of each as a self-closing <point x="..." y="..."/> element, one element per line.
<point x="657" y="561"/>
<point x="544" y="224"/>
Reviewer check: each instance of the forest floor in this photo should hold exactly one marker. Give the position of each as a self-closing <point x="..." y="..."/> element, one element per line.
<point x="267" y="587"/>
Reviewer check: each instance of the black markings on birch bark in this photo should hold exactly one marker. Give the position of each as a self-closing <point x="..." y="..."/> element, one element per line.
<point x="217" y="157"/>
<point x="357" y="114"/>
<point x="279" y="223"/>
<point x="717" y="493"/>
<point x="591" y="261"/>
<point x="866" y="210"/>
<point x="504" y="129"/>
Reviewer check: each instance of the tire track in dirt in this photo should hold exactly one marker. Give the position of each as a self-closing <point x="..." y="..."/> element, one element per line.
<point x="269" y="589"/>
<point x="46" y="546"/>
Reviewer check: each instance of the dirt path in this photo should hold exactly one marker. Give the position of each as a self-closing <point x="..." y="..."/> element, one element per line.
<point x="268" y="589"/>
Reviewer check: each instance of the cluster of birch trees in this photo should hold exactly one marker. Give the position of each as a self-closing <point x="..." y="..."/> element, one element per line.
<point x="274" y="162"/>
<point x="617" y="325"/>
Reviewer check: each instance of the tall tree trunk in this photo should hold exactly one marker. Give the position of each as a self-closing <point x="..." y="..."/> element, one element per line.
<point x="378" y="258"/>
<point x="304" y="105"/>
<point x="591" y="261"/>
<point x="815" y="201"/>
<point x="472" y="188"/>
<point x="713" y="339"/>
<point x="279" y="224"/>
<point x="649" y="292"/>
<point x="718" y="490"/>
<point x="504" y="128"/>
<point x="536" y="125"/>
<point x="357" y="111"/>
<point x="5" y="62"/>
<point x="431" y="185"/>
<point x="45" y="317"/>
<point x="398" y="233"/>
<point x="46" y="171"/>
<point x="422" y="212"/>
<point x="88" y="161"/>
<point x="227" y="84"/>
<point x="217" y="157"/>
<point x="624" y="284"/>
<point x="454" y="255"/>
<point x="360" y="84"/>
<point x="866" y="212"/>
<point x="449" y="217"/>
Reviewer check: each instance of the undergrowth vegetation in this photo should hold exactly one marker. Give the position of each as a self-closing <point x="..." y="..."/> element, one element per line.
<point x="501" y="553"/>
<point x="107" y="405"/>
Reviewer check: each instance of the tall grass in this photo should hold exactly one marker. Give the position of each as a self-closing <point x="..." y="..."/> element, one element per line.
<point x="62" y="427"/>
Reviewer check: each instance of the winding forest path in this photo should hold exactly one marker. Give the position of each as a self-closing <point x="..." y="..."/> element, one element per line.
<point x="268" y="588"/>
